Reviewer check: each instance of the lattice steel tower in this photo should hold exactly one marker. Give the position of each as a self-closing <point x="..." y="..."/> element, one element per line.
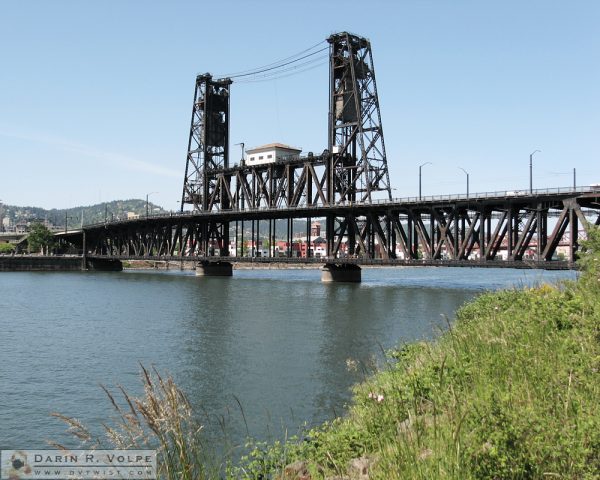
<point x="358" y="164"/>
<point x="208" y="146"/>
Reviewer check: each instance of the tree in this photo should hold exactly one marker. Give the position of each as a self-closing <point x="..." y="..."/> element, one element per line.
<point x="40" y="239"/>
<point x="589" y="258"/>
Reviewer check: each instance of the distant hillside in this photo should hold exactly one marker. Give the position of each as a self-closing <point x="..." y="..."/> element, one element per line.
<point x="119" y="209"/>
<point x="91" y="214"/>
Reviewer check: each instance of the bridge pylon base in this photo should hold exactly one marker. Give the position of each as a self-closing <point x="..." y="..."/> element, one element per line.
<point x="330" y="272"/>
<point x="207" y="268"/>
<point x="102" y="264"/>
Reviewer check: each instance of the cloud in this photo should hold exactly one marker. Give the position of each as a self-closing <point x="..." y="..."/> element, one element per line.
<point x="120" y="160"/>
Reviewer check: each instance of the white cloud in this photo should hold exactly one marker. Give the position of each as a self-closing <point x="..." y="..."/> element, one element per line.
<point x="120" y="160"/>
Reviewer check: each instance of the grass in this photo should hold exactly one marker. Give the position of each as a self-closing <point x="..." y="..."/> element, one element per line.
<point x="161" y="419"/>
<point x="510" y="391"/>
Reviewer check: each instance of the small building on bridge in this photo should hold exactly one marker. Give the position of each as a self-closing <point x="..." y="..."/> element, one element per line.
<point x="271" y="153"/>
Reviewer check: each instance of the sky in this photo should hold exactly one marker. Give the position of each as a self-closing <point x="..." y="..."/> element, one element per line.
<point x="96" y="97"/>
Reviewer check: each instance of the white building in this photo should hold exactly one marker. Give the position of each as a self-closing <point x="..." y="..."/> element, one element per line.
<point x="270" y="153"/>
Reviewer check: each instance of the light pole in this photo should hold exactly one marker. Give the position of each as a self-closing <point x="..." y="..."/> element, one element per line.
<point x="67" y="218"/>
<point x="574" y="179"/>
<point x="420" y="167"/>
<point x="531" y="171"/>
<point x="147" y="195"/>
<point x="242" y="145"/>
<point x="467" y="174"/>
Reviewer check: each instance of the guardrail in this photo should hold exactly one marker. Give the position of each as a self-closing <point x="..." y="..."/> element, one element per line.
<point x="499" y="194"/>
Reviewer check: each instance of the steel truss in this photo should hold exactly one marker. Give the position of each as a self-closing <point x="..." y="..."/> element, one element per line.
<point x="353" y="169"/>
<point x="208" y="145"/>
<point x="474" y="231"/>
<point x="358" y="163"/>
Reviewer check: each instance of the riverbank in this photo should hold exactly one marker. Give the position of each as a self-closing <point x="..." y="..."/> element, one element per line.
<point x="38" y="263"/>
<point x="55" y="263"/>
<point x="510" y="391"/>
<point x="191" y="265"/>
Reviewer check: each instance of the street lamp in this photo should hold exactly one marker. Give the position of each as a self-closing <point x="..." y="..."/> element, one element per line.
<point x="531" y="171"/>
<point x="147" y="195"/>
<point x="467" y="174"/>
<point x="67" y="218"/>
<point x="242" y="144"/>
<point x="573" y="173"/>
<point x="420" y="167"/>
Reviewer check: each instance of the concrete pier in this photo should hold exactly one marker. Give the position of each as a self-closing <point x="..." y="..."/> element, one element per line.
<point x="103" y="264"/>
<point x="214" y="269"/>
<point x="330" y="272"/>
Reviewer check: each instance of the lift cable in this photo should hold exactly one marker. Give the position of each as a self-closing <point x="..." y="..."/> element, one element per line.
<point x="291" y="57"/>
<point x="286" y="72"/>
<point x="278" y="64"/>
<point x="268" y="79"/>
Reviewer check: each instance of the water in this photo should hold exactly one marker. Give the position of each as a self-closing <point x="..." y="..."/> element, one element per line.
<point x="277" y="341"/>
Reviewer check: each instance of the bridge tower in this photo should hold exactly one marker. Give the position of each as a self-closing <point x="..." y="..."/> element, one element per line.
<point x="208" y="151"/>
<point x="208" y="145"/>
<point x="358" y="164"/>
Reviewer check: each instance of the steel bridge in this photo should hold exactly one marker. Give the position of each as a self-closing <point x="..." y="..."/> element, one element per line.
<point x="346" y="186"/>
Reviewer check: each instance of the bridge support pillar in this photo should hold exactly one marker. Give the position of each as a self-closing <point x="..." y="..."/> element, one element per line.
<point x="102" y="264"/>
<point x="214" y="269"/>
<point x="330" y="272"/>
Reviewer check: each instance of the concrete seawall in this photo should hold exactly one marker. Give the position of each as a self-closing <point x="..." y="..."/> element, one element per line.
<point x="23" y="263"/>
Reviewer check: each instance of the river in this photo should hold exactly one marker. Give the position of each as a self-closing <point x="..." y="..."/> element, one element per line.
<point x="277" y="341"/>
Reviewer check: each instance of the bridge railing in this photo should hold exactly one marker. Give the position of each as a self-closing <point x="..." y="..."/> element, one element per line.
<point x="499" y="194"/>
<point x="495" y="194"/>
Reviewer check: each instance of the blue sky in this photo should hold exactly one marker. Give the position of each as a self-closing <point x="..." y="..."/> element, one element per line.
<point x="95" y="97"/>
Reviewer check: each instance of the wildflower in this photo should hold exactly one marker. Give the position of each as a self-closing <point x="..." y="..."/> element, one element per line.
<point x="379" y="398"/>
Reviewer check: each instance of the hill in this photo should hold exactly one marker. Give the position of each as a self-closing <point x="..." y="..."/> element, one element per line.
<point x="118" y="209"/>
<point x="55" y="217"/>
